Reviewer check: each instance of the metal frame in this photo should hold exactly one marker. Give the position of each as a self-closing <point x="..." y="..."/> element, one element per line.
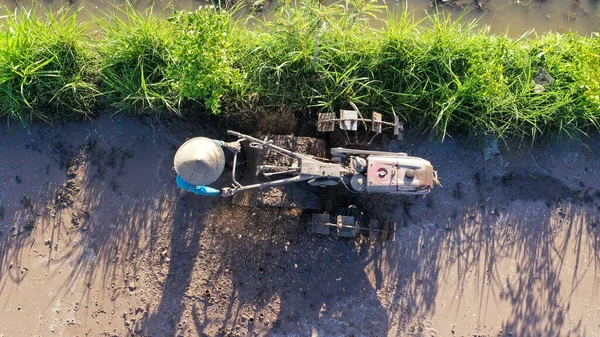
<point x="309" y="167"/>
<point x="349" y="121"/>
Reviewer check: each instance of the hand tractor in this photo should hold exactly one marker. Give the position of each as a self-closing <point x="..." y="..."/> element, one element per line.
<point x="274" y="164"/>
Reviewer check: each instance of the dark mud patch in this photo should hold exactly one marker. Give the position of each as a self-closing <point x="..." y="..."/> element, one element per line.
<point x="531" y="187"/>
<point x="65" y="152"/>
<point x="102" y="159"/>
<point x="64" y="194"/>
<point x="27" y="202"/>
<point x="458" y="191"/>
<point x="29" y="225"/>
<point x="280" y="122"/>
<point x="71" y="159"/>
<point x="74" y="164"/>
<point x="79" y="217"/>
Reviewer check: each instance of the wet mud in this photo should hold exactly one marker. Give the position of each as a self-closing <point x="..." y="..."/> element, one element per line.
<point x="95" y="239"/>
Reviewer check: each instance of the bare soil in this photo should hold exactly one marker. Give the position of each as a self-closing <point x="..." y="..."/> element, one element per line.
<point x="96" y="240"/>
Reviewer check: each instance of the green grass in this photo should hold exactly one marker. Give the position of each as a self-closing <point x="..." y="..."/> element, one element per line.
<point x="205" y="49"/>
<point x="150" y="64"/>
<point x="136" y="58"/>
<point x="444" y="77"/>
<point x="45" y="67"/>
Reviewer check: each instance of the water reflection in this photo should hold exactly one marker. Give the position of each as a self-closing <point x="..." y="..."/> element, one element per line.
<point x="503" y="16"/>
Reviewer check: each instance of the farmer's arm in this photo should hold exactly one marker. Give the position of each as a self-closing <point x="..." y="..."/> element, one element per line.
<point x="207" y="191"/>
<point x="201" y="190"/>
<point x="231" y="146"/>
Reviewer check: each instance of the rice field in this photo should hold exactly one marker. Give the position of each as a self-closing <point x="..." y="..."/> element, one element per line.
<point x="443" y="77"/>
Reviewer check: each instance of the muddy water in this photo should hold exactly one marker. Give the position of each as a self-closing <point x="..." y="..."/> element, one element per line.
<point x="514" y="17"/>
<point x="519" y="17"/>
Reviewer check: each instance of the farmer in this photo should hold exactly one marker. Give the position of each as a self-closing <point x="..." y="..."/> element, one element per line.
<point x="199" y="162"/>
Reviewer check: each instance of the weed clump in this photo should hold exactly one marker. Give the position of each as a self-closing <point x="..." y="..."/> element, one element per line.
<point x="45" y="67"/>
<point x="137" y="60"/>
<point x="204" y="51"/>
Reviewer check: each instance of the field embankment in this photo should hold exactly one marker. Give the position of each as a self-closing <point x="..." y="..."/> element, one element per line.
<point x="440" y="76"/>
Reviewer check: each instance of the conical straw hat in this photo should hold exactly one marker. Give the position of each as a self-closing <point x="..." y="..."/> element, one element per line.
<point x="199" y="161"/>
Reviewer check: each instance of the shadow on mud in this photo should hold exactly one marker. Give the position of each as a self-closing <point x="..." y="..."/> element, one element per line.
<point x="262" y="273"/>
<point x="522" y="239"/>
<point x="519" y="241"/>
<point x="179" y="261"/>
<point x="82" y="209"/>
<point x="103" y="217"/>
